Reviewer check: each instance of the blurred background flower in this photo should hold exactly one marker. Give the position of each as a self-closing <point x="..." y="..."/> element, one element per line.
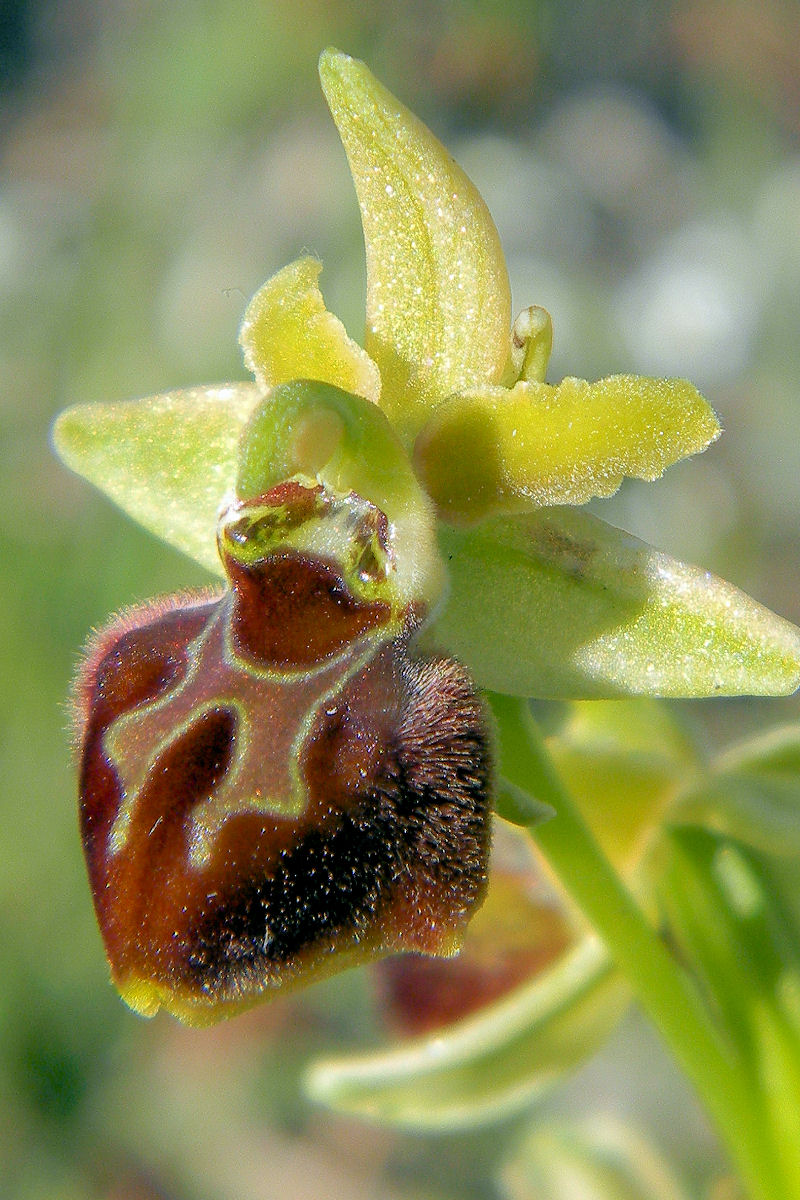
<point x="158" y="161"/>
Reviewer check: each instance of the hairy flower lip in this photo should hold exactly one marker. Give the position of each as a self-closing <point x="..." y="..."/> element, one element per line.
<point x="272" y="786"/>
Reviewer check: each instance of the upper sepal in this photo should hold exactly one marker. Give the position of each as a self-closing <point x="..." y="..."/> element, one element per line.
<point x="438" y="299"/>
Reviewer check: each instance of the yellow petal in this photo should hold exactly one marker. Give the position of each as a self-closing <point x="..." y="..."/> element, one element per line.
<point x="507" y="451"/>
<point x="287" y="333"/>
<point x="438" y="302"/>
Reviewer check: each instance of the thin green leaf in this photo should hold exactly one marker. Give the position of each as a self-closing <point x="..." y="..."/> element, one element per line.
<point x="487" y="1066"/>
<point x="624" y="761"/>
<point x="751" y="792"/>
<point x="732" y="930"/>
<point x="778" y="1060"/>
<point x="438" y="300"/>
<point x="168" y="461"/>
<point x="560" y="604"/>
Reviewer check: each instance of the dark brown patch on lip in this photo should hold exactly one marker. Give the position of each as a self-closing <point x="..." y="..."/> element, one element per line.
<point x="136" y="657"/>
<point x="188" y="772"/>
<point x="148" y="879"/>
<point x="126" y="665"/>
<point x="399" y="866"/>
<point x="293" y="611"/>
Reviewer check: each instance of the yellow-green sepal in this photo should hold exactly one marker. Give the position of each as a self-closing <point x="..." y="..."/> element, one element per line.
<point x="168" y="461"/>
<point x="288" y="333"/>
<point x="560" y="604"/>
<point x="438" y="299"/>
<point x="505" y="450"/>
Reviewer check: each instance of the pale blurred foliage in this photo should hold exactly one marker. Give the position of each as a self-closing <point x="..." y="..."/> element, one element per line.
<point x="157" y="162"/>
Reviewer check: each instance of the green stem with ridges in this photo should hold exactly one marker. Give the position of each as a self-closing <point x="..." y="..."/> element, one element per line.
<point x="663" y="989"/>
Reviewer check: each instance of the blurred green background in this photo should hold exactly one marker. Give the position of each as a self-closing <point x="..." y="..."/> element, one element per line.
<point x="157" y="162"/>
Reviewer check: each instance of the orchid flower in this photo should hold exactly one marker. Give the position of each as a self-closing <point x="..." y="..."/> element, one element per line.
<point x="295" y="773"/>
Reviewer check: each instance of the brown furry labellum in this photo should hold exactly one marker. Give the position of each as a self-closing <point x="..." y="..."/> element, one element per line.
<point x="272" y="785"/>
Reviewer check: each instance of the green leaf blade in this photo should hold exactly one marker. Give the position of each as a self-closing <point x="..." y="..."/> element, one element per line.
<point x="488" y="1066"/>
<point x="720" y="908"/>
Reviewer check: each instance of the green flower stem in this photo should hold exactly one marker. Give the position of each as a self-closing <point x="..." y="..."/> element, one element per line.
<point x="663" y="989"/>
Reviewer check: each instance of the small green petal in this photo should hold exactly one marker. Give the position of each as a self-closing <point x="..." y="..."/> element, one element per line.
<point x="487" y="1066"/>
<point x="288" y="333"/>
<point x="168" y="461"/>
<point x="560" y="604"/>
<point x="438" y="300"/>
<point x="503" y="451"/>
